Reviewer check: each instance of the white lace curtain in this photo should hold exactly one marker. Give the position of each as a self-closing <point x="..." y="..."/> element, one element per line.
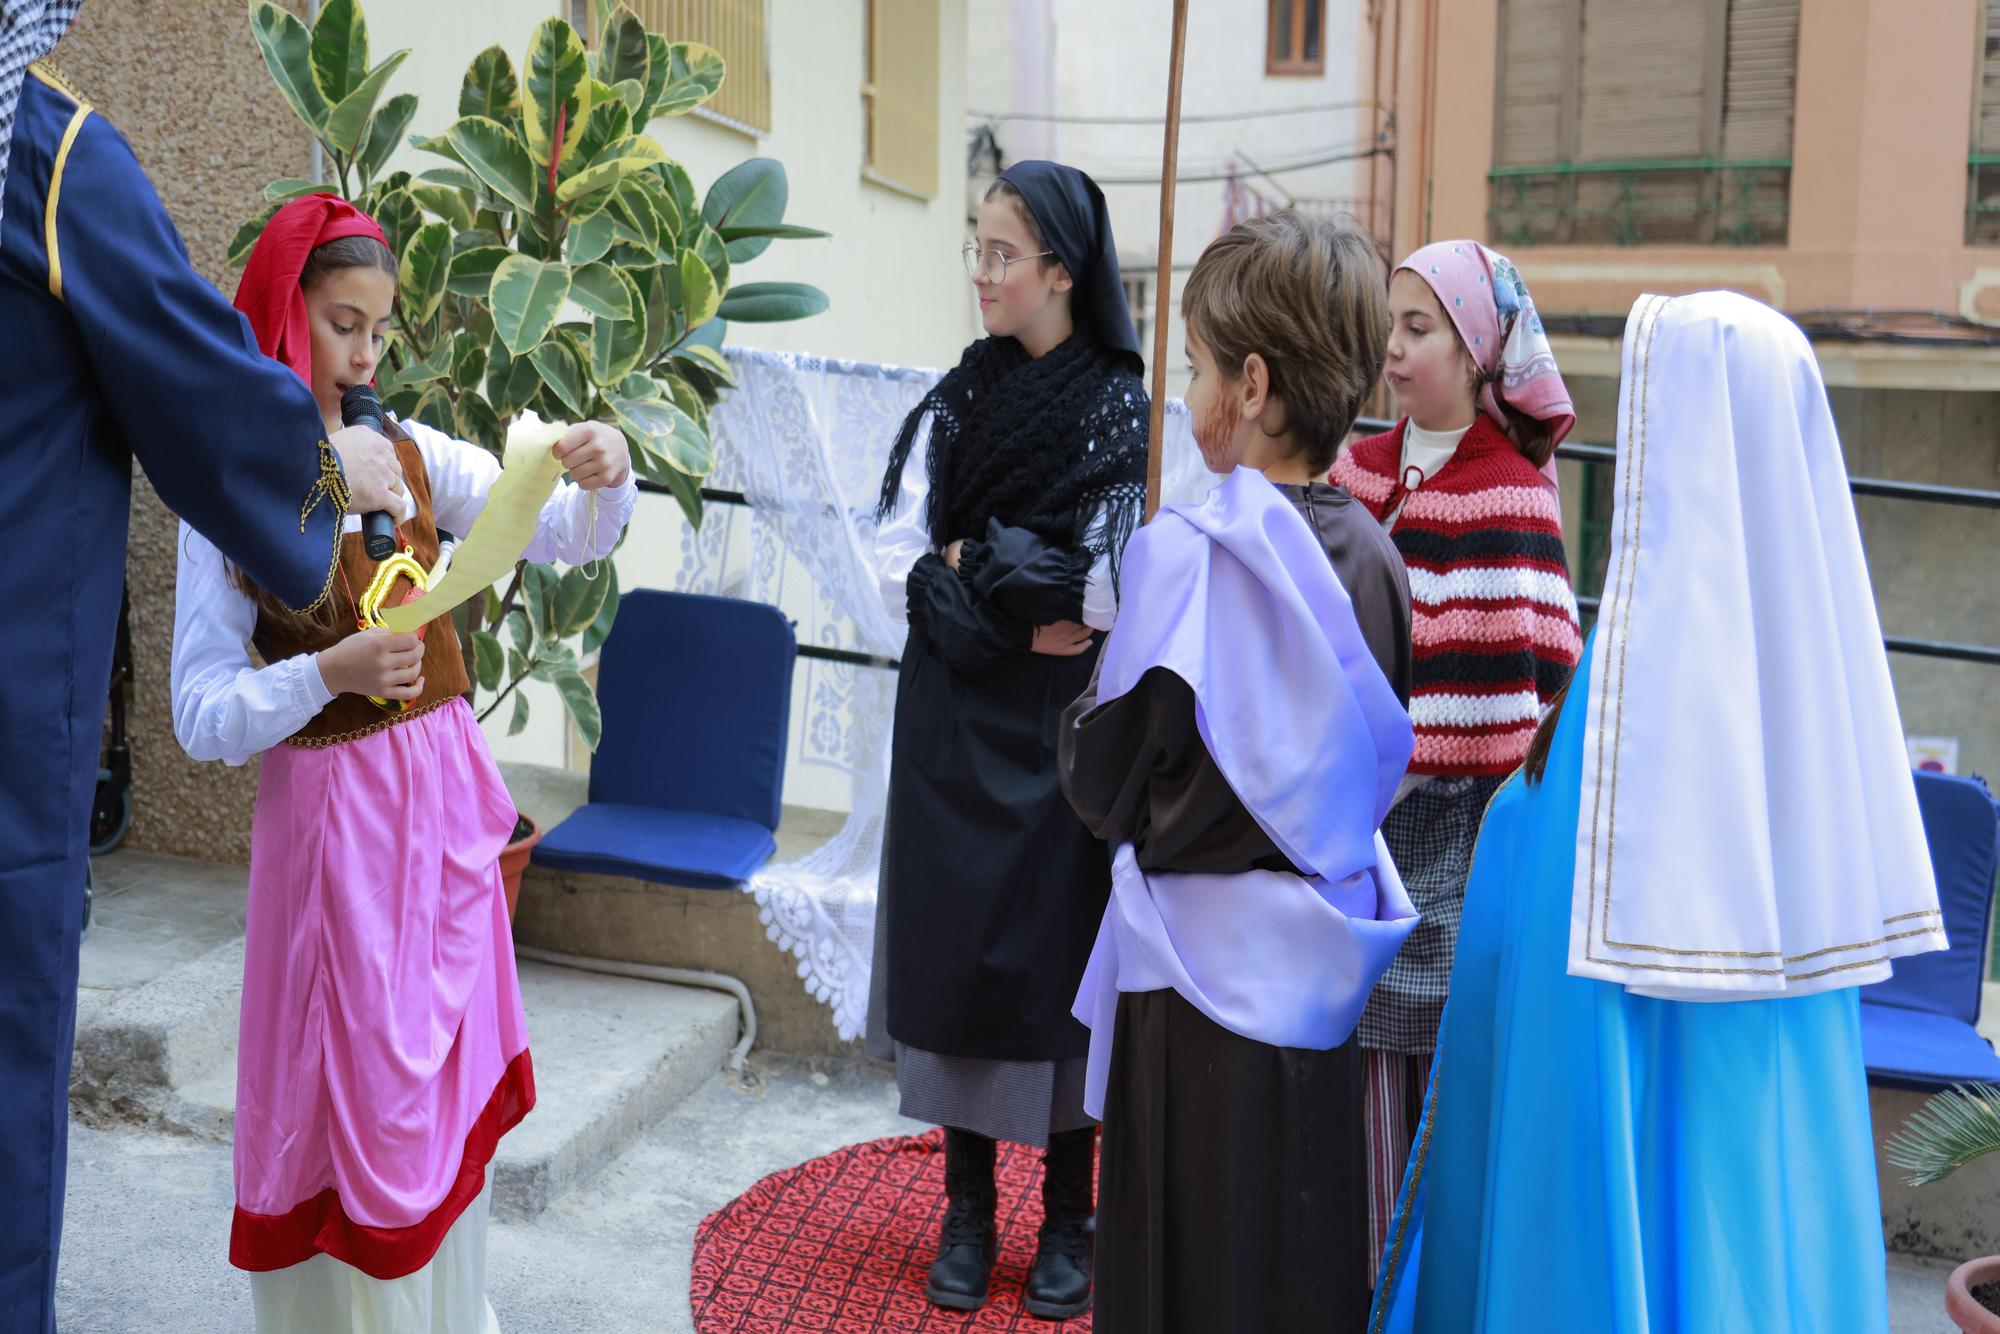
<point x="806" y="439"/>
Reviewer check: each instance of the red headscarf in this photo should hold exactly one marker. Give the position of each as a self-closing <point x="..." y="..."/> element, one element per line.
<point x="269" y="293"/>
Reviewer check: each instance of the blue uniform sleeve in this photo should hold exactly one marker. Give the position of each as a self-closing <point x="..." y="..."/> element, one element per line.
<point x="231" y="439"/>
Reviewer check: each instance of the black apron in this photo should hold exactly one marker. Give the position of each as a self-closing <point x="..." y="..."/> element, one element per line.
<point x="996" y="887"/>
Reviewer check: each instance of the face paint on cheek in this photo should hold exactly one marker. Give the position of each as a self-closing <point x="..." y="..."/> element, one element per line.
<point x="1216" y="428"/>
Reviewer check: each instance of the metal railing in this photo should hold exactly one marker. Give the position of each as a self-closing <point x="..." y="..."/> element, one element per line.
<point x="1591" y="455"/>
<point x="1698" y="201"/>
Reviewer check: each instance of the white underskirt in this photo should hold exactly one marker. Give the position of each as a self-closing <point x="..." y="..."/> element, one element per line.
<point x="447" y="1296"/>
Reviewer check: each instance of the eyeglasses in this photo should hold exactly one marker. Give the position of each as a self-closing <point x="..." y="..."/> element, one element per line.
<point x="990" y="265"/>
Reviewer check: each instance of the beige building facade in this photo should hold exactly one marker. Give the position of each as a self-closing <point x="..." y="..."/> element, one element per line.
<point x="1825" y="156"/>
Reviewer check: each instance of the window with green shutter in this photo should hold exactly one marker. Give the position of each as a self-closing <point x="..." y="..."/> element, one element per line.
<point x="1630" y="122"/>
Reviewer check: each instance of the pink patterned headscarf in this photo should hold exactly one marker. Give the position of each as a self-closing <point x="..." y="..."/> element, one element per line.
<point x="1488" y="303"/>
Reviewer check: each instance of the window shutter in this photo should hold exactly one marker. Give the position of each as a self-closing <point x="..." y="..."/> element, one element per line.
<point x="1618" y="120"/>
<point x="1762" y="80"/>
<point x="1982" y="204"/>
<point x="902" y="94"/>
<point x="1532" y="48"/>
<point x="736" y="29"/>
<point x="1642" y="80"/>
<point x="1989" y="84"/>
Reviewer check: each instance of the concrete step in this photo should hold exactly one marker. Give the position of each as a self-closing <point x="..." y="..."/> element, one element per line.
<point x="612" y="1056"/>
<point x="136" y="1045"/>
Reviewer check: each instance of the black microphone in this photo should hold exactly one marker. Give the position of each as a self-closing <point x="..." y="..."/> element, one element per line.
<point x="360" y="407"/>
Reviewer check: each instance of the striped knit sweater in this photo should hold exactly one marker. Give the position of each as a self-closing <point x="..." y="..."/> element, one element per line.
<point x="1494" y="629"/>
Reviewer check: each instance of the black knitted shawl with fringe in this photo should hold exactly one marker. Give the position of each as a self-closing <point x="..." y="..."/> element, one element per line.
<point x="1040" y="443"/>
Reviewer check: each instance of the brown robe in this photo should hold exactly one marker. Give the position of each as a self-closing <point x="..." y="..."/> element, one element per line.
<point x="1233" y="1181"/>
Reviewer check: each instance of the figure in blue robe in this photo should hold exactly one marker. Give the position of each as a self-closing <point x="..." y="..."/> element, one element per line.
<point x="1648" y="1108"/>
<point x="111" y="347"/>
<point x="1607" y="1163"/>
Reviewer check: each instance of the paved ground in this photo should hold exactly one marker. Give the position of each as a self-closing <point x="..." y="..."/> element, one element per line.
<point x="148" y="1227"/>
<point x="147" y="1235"/>
<point x="149" y="1218"/>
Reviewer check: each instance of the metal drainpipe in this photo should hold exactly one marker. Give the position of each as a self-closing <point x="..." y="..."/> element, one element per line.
<point x="318" y="152"/>
<point x="651" y="972"/>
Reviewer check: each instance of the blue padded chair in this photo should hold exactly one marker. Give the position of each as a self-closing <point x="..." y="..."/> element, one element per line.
<point x="1918" y="1028"/>
<point x="696" y="694"/>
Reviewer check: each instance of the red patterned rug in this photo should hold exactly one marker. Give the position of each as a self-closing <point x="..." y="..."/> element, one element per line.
<point x="842" y="1243"/>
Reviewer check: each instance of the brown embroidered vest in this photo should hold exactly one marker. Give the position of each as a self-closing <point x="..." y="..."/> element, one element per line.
<point x="348" y="717"/>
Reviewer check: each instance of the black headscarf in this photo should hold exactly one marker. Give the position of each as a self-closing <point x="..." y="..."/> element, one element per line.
<point x="1042" y="443"/>
<point x="1069" y="209"/>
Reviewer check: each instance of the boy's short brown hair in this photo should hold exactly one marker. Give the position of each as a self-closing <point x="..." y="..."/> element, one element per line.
<point x="1308" y="295"/>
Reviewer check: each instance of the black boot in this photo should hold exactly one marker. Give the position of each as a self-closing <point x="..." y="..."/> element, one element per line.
<point x="964" y="1262"/>
<point x="1059" y="1279"/>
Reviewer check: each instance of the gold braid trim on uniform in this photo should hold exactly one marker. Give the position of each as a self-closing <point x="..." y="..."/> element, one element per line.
<point x="388" y="721"/>
<point x="46" y="71"/>
<point x="49" y="75"/>
<point x="330" y="487"/>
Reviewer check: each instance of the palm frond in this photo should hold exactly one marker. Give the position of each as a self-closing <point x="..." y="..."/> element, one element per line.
<point x="1946" y="1133"/>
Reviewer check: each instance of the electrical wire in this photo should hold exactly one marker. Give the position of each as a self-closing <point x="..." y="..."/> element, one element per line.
<point x="1264" y="113"/>
<point x="1352" y="155"/>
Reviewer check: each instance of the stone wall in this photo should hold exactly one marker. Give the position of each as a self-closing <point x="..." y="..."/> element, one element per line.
<point x="185" y="84"/>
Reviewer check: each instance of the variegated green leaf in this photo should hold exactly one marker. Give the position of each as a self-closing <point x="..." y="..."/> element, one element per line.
<point x="699" y="296"/>
<point x="472" y="270"/>
<point x="386" y="129"/>
<point x="625" y="158"/>
<point x="666" y="432"/>
<point x="339" y="49"/>
<point x="616" y="347"/>
<point x="557" y="71"/>
<point x="489" y="659"/>
<point x="490" y="88"/>
<point x="526" y="296"/>
<point x="624" y="52"/>
<point x="445" y="202"/>
<point x="605" y="291"/>
<point x="694" y="74"/>
<point x="581" y="701"/>
<point x="426" y="268"/>
<point x="556" y="362"/>
<point x="494" y="154"/>
<point x="347" y="123"/>
<point x="287" y="48"/>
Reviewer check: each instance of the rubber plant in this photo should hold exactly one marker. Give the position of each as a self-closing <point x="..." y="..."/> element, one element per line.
<point x="554" y="259"/>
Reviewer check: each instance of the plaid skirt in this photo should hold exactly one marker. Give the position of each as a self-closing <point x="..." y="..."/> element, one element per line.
<point x="1430" y="833"/>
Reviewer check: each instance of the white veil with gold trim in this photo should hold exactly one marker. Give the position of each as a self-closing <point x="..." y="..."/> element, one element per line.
<point x="1749" y="825"/>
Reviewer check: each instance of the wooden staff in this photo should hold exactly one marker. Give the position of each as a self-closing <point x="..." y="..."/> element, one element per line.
<point x="1163" y="278"/>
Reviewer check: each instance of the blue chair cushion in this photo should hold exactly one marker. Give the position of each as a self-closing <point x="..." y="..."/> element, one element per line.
<point x="696" y="693"/>
<point x="666" y="847"/>
<point x="1964" y="836"/>
<point x="1918" y="1049"/>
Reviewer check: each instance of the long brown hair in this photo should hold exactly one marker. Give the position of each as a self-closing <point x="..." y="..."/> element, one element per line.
<point x="1537" y="761"/>
<point x="1536" y="439"/>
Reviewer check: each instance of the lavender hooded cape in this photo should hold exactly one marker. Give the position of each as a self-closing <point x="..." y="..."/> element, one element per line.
<point x="1237" y="598"/>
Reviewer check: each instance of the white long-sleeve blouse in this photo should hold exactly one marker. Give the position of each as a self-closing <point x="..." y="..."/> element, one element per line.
<point x="227" y="708"/>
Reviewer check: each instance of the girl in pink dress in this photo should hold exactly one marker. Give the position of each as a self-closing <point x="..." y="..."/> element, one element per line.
<point x="384" y="1051"/>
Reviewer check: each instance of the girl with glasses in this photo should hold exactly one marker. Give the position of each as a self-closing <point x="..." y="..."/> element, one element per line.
<point x="1008" y="496"/>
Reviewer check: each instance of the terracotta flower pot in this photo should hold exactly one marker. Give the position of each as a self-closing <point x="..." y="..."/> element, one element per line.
<point x="514" y="860"/>
<point x="1959" y="1303"/>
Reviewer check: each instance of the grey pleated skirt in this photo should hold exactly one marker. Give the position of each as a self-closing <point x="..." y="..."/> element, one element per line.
<point x="1023" y="1102"/>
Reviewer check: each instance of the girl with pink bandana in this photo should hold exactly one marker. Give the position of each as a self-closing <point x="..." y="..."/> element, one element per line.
<point x="1465" y="485"/>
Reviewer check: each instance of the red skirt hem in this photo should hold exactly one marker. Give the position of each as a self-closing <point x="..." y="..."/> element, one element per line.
<point x="320" y="1226"/>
